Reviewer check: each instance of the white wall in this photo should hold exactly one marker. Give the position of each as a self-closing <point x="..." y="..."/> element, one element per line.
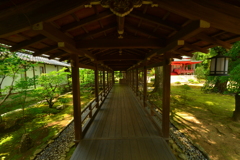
<point x="49" y="68"/>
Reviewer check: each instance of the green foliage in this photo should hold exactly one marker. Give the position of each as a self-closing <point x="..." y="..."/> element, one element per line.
<point x="10" y="66"/>
<point x="177" y="82"/>
<point x="63" y="100"/>
<point x="50" y="86"/>
<point x="200" y="72"/>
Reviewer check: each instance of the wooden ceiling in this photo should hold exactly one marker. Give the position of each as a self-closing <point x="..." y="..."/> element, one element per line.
<point x="118" y="34"/>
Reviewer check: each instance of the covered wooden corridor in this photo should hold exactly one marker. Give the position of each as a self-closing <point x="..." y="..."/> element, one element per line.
<point x="122" y="130"/>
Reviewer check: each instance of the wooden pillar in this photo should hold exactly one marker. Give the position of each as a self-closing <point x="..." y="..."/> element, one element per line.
<point x="166" y="97"/>
<point x="144" y="85"/>
<point x="137" y="81"/>
<point x="107" y="81"/>
<point x="76" y="99"/>
<point x="96" y="84"/>
<point x="133" y="80"/>
<point x="113" y="79"/>
<point x="104" y="88"/>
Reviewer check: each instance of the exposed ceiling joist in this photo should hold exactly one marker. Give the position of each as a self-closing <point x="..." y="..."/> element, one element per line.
<point x="26" y="43"/>
<point x="195" y="10"/>
<point x="189" y="30"/>
<point x="214" y="40"/>
<point x="100" y="30"/>
<point x="21" y="22"/>
<point x="195" y="48"/>
<point x="64" y="42"/>
<point x="45" y="50"/>
<point x="143" y="31"/>
<point x="59" y="54"/>
<point x="120" y="43"/>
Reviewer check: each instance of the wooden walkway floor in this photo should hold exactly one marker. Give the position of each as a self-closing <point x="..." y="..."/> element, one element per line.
<point x="122" y="130"/>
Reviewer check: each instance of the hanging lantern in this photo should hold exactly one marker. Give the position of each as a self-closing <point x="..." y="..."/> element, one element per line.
<point x="219" y="66"/>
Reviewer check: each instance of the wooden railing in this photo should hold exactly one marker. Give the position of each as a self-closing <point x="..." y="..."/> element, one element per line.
<point x="91" y="109"/>
<point x="152" y="110"/>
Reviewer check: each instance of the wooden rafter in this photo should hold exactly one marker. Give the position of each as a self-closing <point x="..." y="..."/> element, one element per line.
<point x="143" y="31"/>
<point x="45" y="50"/>
<point x="154" y="20"/>
<point x="64" y="42"/>
<point x="86" y="21"/>
<point x="189" y="30"/>
<point x="120" y="43"/>
<point x="195" y="10"/>
<point x="100" y="30"/>
<point x="27" y="43"/>
<point x="119" y="57"/>
<point x="213" y="40"/>
<point x="59" y="54"/>
<point x="195" y="48"/>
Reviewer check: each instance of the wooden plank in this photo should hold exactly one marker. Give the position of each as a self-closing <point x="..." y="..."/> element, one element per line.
<point x="137" y="136"/>
<point x="127" y="151"/>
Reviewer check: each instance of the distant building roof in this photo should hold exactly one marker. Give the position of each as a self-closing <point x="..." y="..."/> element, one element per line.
<point x="185" y="60"/>
<point x="31" y="58"/>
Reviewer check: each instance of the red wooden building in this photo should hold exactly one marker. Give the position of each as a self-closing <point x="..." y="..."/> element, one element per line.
<point x="184" y="66"/>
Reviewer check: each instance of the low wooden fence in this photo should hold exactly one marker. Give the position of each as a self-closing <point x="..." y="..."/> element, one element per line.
<point x="91" y="109"/>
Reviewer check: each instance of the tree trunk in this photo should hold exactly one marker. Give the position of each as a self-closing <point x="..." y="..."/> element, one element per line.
<point x="220" y="86"/>
<point x="158" y="80"/>
<point x="236" y="113"/>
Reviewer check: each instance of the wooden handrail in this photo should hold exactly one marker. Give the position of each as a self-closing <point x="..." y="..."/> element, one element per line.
<point x="90" y="110"/>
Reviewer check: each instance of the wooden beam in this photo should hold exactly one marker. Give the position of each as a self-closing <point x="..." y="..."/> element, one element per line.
<point x="143" y="31"/>
<point x="155" y="20"/>
<point x="45" y="50"/>
<point x="86" y="21"/>
<point x="64" y="42"/>
<point x="120" y="43"/>
<point x="119" y="57"/>
<point x="59" y="54"/>
<point x="195" y="48"/>
<point x="76" y="99"/>
<point x="189" y="30"/>
<point x="26" y="43"/>
<point x="195" y="10"/>
<point x="20" y="22"/>
<point x="97" y="31"/>
<point x="213" y="40"/>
